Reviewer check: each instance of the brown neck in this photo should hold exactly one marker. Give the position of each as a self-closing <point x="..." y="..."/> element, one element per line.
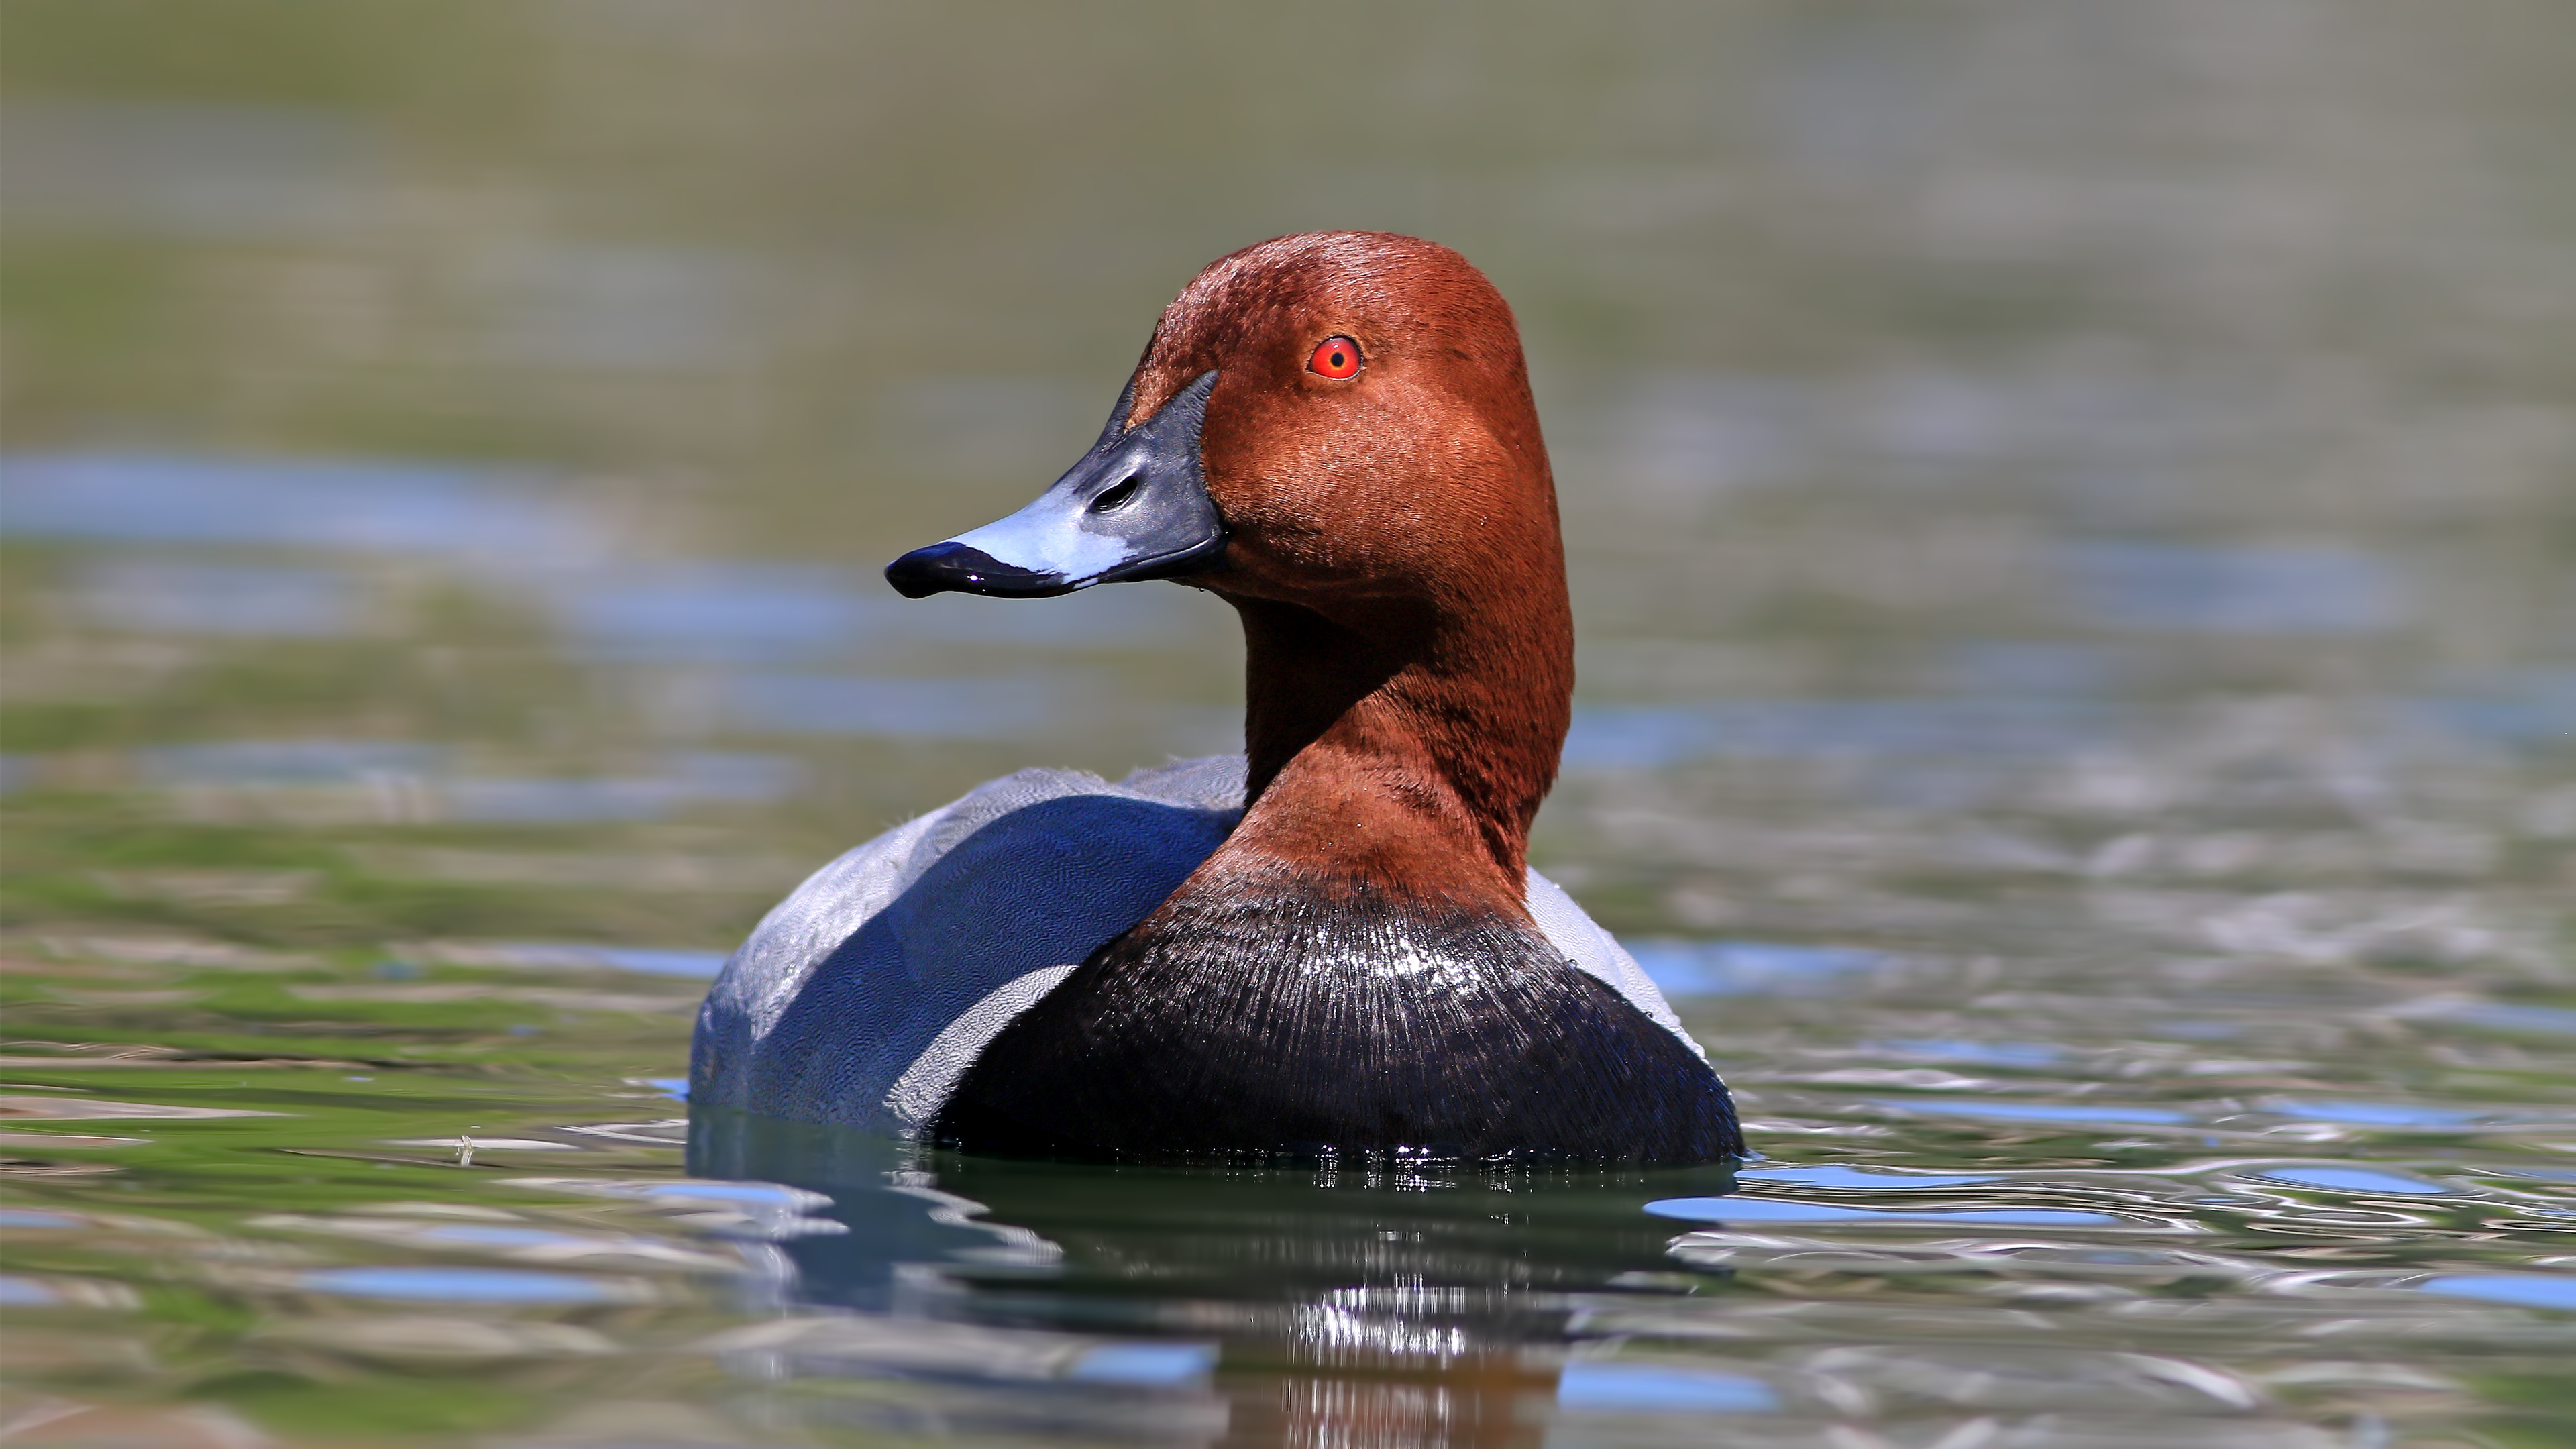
<point x="1409" y="754"/>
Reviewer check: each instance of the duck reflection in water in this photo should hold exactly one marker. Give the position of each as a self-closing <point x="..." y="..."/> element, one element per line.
<point x="1397" y="1300"/>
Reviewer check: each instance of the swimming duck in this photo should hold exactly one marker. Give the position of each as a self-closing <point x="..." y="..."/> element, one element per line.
<point x="1332" y="943"/>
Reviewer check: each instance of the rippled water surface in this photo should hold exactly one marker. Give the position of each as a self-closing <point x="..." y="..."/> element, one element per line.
<point x="2073" y="521"/>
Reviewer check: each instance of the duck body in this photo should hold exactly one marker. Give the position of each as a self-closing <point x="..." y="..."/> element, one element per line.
<point x="899" y="991"/>
<point x="1334" y="942"/>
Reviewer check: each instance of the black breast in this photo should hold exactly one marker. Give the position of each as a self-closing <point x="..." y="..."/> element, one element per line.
<point x="1301" y="1018"/>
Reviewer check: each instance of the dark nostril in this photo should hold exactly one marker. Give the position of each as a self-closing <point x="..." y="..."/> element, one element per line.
<point x="1115" y="496"/>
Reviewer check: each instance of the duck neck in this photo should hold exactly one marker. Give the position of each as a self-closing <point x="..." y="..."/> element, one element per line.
<point x="1407" y="752"/>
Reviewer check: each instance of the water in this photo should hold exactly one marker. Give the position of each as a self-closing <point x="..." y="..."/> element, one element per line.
<point x="2072" y="512"/>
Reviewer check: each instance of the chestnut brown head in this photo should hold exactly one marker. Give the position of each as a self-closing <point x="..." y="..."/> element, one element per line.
<point x="1339" y="420"/>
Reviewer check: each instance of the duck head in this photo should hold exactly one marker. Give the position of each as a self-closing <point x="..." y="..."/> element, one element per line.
<point x="1334" y="432"/>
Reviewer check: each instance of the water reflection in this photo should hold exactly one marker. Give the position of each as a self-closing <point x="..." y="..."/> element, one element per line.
<point x="2076" y="1112"/>
<point x="1840" y="1175"/>
<point x="1379" y="1290"/>
<point x="1437" y="1301"/>
<point x="2523" y="1290"/>
<point x="714" y="614"/>
<point x="1766" y="1210"/>
<point x="1649" y="737"/>
<point x="1977" y="1053"/>
<point x="1750" y="968"/>
<point x="1626" y="1388"/>
<point x="2536" y="707"/>
<point x="571" y="956"/>
<point x="2381" y="1114"/>
<point x="393" y="783"/>
<point x="369" y="505"/>
<point x="2351" y="1179"/>
<point x="2236" y="590"/>
<point x="465" y="1285"/>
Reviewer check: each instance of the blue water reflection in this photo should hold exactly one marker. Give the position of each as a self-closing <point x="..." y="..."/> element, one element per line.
<point x="461" y="1285"/>
<point x="2534" y="707"/>
<point x="2338" y="1177"/>
<point x="1751" y="968"/>
<point x="756" y="612"/>
<point x="1656" y="736"/>
<point x="371" y="505"/>
<point x="760" y="1194"/>
<point x="2522" y="1290"/>
<point x="577" y="956"/>
<point x="1592" y="1386"/>
<point x="2378" y="1114"/>
<point x="17" y="1292"/>
<point x="1978" y="1053"/>
<point x="2236" y="590"/>
<point x="2510" y="1017"/>
<point x="1156" y="1364"/>
<point x="697" y="965"/>
<point x="2077" y="1112"/>
<point x="713" y="613"/>
<point x="1772" y="1210"/>
<point x="404" y="782"/>
<point x="1842" y="1175"/>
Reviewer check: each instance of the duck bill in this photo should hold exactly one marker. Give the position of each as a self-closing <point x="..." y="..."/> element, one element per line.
<point x="1135" y="507"/>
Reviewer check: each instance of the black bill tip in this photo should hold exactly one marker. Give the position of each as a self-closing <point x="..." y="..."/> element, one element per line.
<point x="945" y="566"/>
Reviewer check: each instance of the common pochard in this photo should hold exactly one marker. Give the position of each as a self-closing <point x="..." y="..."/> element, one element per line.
<point x="1332" y="943"/>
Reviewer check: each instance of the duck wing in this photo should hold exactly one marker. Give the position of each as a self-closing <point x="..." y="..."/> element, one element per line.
<point x="861" y="998"/>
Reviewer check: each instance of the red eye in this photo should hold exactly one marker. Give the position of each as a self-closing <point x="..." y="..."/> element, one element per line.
<point x="1337" y="357"/>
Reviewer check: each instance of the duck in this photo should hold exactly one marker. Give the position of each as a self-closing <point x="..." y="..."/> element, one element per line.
<point x="1332" y="943"/>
